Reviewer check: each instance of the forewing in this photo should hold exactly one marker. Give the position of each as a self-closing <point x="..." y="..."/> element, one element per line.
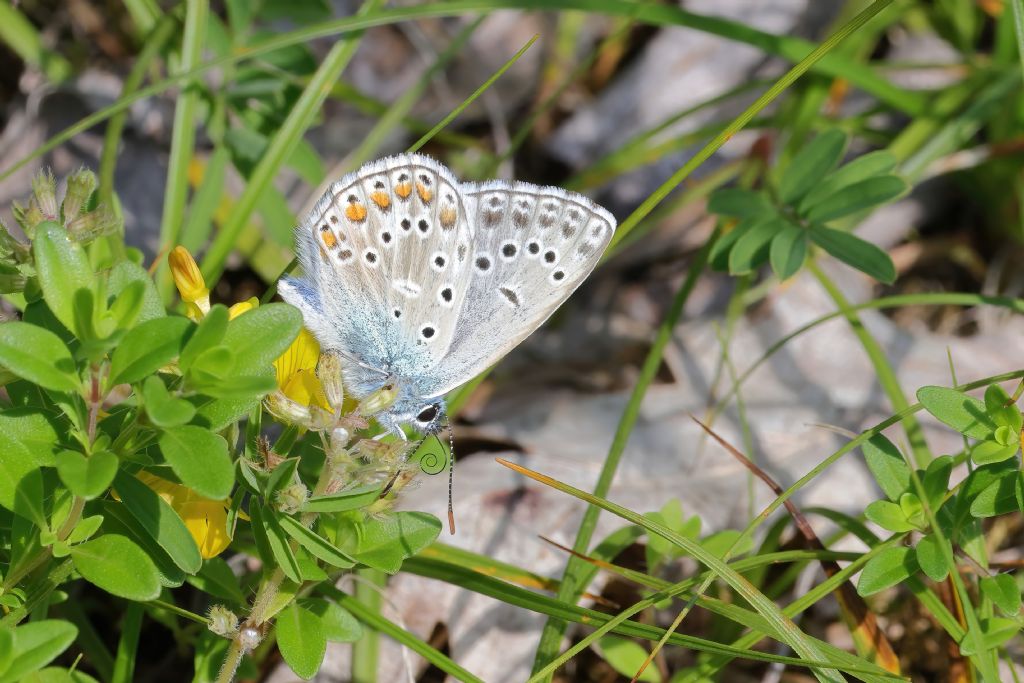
<point x="383" y="246"/>
<point x="532" y="248"/>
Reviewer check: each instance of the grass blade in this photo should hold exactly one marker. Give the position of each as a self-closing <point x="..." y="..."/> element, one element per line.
<point x="767" y="609"/>
<point x="281" y="146"/>
<point x="375" y="621"/>
<point x="183" y="139"/>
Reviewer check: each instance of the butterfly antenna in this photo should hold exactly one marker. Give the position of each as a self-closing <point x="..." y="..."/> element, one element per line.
<point x="451" y="477"/>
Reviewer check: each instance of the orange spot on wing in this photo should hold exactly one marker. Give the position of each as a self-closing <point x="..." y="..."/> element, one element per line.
<point x="447" y="217"/>
<point x="328" y="237"/>
<point x="425" y="194"/>
<point x="381" y="199"/>
<point x="355" y="212"/>
<point x="403" y="190"/>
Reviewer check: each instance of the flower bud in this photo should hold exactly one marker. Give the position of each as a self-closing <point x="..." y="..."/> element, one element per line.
<point x="248" y="638"/>
<point x="223" y="621"/>
<point x="81" y="183"/>
<point x="291" y="498"/>
<point x="381" y="453"/>
<point x="340" y="436"/>
<point x="328" y="370"/>
<point x="320" y="420"/>
<point x="287" y="410"/>
<point x="11" y="279"/>
<point x="30" y="218"/>
<point x="9" y="245"/>
<point x="94" y="224"/>
<point x="341" y="463"/>
<point x="188" y="279"/>
<point x="380" y="400"/>
<point x="44" y="191"/>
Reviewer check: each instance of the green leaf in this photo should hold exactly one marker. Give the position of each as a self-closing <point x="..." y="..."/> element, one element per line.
<point x="887" y="568"/>
<point x="125" y="274"/>
<point x="339" y="624"/>
<point x="385" y="542"/>
<point x="658" y="549"/>
<point x="118" y="520"/>
<point x="857" y="197"/>
<point x="1002" y="590"/>
<point x="37" y="429"/>
<point x="725" y="540"/>
<point x="913" y="510"/>
<point x="998" y="498"/>
<point x="118" y="566"/>
<point x="281" y="476"/>
<point x="1001" y="409"/>
<point x="216" y="578"/>
<point x="200" y="459"/>
<point x="160" y="522"/>
<point x="314" y="543"/>
<point x="751" y="249"/>
<point x="212" y="366"/>
<point x="147" y="348"/>
<point x="63" y="269"/>
<point x="867" y="166"/>
<point x="788" y="251"/>
<point x="626" y="657"/>
<point x="34" y="645"/>
<point x="21" y="482"/>
<point x="207" y="335"/>
<point x="301" y="639"/>
<point x="971" y="539"/>
<point x="811" y="164"/>
<point x="887" y="465"/>
<point x="963" y="413"/>
<point x="37" y="355"/>
<point x="352" y="499"/>
<point x="855" y="252"/>
<point x="259" y="336"/>
<point x="994" y="632"/>
<point x="218" y="414"/>
<point x="163" y="409"/>
<point x="128" y="303"/>
<point x="888" y="516"/>
<point x="936" y="480"/>
<point x="732" y="201"/>
<point x="719" y="255"/>
<point x="930" y="557"/>
<point x="87" y="477"/>
<point x="55" y="674"/>
<point x="85" y="528"/>
<point x="239" y="388"/>
<point x="988" y="452"/>
<point x="272" y="542"/>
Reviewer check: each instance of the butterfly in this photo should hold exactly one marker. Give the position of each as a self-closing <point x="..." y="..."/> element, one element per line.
<point x="421" y="282"/>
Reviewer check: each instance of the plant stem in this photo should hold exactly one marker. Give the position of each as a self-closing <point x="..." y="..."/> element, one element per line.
<point x="366" y="651"/>
<point x="257" y="617"/>
<point x="883" y="369"/>
<point x="232" y="660"/>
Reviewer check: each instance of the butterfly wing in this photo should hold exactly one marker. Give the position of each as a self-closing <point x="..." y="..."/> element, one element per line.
<point x="532" y="248"/>
<point x="384" y="253"/>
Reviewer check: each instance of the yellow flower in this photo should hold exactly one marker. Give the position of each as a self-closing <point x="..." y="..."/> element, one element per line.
<point x="296" y="372"/>
<point x="205" y="518"/>
<point x="190" y="283"/>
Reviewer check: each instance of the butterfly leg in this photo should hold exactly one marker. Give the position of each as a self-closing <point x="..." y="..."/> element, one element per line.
<point x="390" y="427"/>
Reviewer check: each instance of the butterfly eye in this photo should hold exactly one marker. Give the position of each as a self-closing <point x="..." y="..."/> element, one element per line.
<point x="427" y="414"/>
